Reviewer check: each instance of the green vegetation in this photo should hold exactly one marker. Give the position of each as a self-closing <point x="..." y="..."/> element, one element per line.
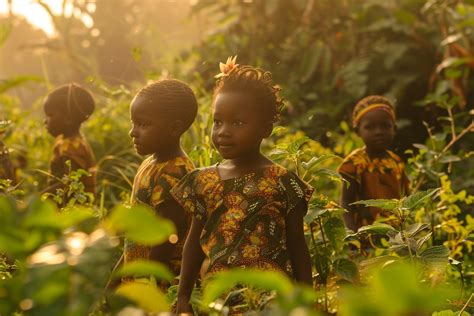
<point x="326" y="55"/>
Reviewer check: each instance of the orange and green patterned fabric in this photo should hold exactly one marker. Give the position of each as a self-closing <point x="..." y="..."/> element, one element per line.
<point x="378" y="178"/>
<point x="152" y="186"/>
<point x="79" y="152"/>
<point x="244" y="216"/>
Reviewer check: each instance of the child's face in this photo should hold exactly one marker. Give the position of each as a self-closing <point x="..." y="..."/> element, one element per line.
<point x="55" y="119"/>
<point x="149" y="129"/>
<point x="238" y="126"/>
<point x="377" y="130"/>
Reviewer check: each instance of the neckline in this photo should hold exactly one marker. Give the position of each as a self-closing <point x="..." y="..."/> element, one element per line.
<point x="251" y="173"/>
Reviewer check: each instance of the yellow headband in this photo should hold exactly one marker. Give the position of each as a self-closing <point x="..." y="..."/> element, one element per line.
<point x="372" y="107"/>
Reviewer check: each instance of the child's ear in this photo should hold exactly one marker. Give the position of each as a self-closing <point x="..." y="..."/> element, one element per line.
<point x="176" y="128"/>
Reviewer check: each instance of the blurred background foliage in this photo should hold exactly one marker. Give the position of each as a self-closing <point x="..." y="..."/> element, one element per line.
<point x="325" y="55"/>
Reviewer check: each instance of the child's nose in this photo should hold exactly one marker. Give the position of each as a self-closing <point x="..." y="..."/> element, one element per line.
<point x="224" y="130"/>
<point x="132" y="132"/>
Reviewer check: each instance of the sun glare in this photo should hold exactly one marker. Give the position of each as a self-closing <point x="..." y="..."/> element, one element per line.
<point x="36" y="15"/>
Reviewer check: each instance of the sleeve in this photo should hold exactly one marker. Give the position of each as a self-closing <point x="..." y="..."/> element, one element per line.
<point x="165" y="180"/>
<point x="185" y="193"/>
<point x="347" y="169"/>
<point x="297" y="192"/>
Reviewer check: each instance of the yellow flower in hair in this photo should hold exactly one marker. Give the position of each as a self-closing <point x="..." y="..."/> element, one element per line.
<point x="227" y="67"/>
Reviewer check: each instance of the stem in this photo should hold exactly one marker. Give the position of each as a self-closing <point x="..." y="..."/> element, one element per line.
<point x="317" y="253"/>
<point x="322" y="231"/>
<point x="466" y="305"/>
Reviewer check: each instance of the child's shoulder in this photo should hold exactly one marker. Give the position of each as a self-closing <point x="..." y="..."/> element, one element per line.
<point x="178" y="166"/>
<point x="394" y="156"/>
<point x="63" y="145"/>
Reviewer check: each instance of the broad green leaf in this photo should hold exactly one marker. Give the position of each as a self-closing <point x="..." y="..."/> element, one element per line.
<point x="414" y="229"/>
<point x="416" y="199"/>
<point x="75" y="216"/>
<point x="377" y="228"/>
<point x="43" y="214"/>
<point x="317" y="161"/>
<point x="296" y="145"/>
<point x="385" y="204"/>
<point x="335" y="231"/>
<point x="377" y="261"/>
<point x="449" y="313"/>
<point x="145" y="295"/>
<point x="140" y="224"/>
<point x="16" y="81"/>
<point x="222" y="282"/>
<point x="143" y="268"/>
<point x="436" y="256"/>
<point x="7" y="211"/>
<point x="421" y="241"/>
<point x="347" y="269"/>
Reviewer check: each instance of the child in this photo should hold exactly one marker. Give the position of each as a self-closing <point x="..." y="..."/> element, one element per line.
<point x="247" y="210"/>
<point x="372" y="172"/>
<point x="161" y="112"/>
<point x="66" y="108"/>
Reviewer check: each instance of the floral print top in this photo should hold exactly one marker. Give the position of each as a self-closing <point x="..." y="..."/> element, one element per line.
<point x="152" y="186"/>
<point x="378" y="178"/>
<point x="78" y="151"/>
<point x="244" y="216"/>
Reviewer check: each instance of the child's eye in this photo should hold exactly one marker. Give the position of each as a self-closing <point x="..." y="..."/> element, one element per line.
<point x="217" y="123"/>
<point x="238" y="123"/>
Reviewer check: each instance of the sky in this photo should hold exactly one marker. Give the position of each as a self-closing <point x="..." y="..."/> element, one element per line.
<point x="34" y="13"/>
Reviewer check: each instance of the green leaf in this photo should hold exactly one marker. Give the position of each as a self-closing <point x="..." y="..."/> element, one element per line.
<point x="222" y="282"/>
<point x="346" y="269"/>
<point x="385" y="204"/>
<point x="140" y="224"/>
<point x="449" y="313"/>
<point x="377" y="228"/>
<point x="317" y="161"/>
<point x="7" y="211"/>
<point x="145" y="295"/>
<point x="43" y="214"/>
<point x="436" y="256"/>
<point x="417" y="199"/>
<point x="378" y="261"/>
<point x="144" y="268"/>
<point x="414" y="229"/>
<point x="296" y="145"/>
<point x="335" y="231"/>
<point x="16" y="81"/>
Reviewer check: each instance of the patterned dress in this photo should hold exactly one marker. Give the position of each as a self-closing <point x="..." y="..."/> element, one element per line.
<point x="78" y="150"/>
<point x="152" y="186"/>
<point x="244" y="216"/>
<point x="378" y="178"/>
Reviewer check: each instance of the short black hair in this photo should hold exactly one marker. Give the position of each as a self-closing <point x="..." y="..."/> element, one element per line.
<point x="257" y="83"/>
<point x="74" y="99"/>
<point x="174" y="97"/>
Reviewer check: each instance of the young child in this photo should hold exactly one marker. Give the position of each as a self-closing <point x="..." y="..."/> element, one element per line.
<point x="247" y="210"/>
<point x="372" y="172"/>
<point x="66" y="108"/>
<point x="161" y="112"/>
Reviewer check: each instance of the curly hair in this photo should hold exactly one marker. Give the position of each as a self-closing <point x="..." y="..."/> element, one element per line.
<point x="173" y="97"/>
<point x="256" y="82"/>
<point x="74" y="99"/>
<point x="363" y="105"/>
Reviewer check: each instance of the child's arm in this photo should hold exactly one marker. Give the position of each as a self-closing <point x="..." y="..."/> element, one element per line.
<point x="193" y="257"/>
<point x="170" y="209"/>
<point x="297" y="247"/>
<point x="348" y="196"/>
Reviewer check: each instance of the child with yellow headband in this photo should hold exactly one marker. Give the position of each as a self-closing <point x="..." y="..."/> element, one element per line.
<point x="372" y="172"/>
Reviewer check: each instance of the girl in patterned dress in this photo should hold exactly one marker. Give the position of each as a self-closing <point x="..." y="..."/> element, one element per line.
<point x="161" y="112"/>
<point x="372" y="172"/>
<point x="66" y="108"/>
<point x="247" y="210"/>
